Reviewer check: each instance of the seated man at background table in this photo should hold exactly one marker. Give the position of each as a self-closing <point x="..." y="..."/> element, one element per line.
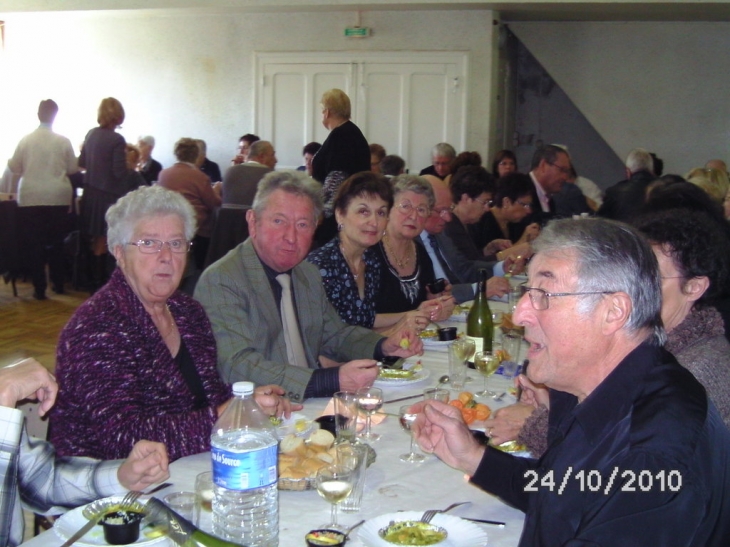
<point x="30" y="472"/>
<point x="270" y="314"/>
<point x="637" y="454"/>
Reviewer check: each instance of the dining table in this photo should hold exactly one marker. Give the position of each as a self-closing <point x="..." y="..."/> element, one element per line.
<point x="391" y="485"/>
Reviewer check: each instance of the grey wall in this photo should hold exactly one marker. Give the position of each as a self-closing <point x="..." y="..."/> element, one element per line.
<point x="660" y="86"/>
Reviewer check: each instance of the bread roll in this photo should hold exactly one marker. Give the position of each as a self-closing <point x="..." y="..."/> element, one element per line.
<point x="291" y="444"/>
<point x="321" y="437"/>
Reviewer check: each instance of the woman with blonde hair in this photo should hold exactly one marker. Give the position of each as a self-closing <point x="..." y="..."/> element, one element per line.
<point x="344" y="153"/>
<point x="103" y="155"/>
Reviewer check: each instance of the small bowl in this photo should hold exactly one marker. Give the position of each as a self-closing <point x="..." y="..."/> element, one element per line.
<point x="331" y="538"/>
<point x="438" y="286"/>
<point x="121" y="527"/>
<point x="328" y="423"/>
<point x="447" y="333"/>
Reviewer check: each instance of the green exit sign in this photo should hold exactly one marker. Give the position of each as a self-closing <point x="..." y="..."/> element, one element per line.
<point x="357" y="32"/>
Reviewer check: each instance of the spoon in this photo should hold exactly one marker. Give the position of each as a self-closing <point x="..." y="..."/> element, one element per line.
<point x="351" y="528"/>
<point x="443" y="380"/>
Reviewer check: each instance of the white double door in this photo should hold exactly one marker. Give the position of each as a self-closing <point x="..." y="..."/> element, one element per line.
<point x="405" y="101"/>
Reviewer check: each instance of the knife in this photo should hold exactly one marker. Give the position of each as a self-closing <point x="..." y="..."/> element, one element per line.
<point x="92" y="522"/>
<point x="492" y="522"/>
<point x="81" y="532"/>
<point x="403" y="399"/>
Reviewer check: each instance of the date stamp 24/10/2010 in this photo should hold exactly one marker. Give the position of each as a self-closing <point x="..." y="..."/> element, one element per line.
<point x="628" y="480"/>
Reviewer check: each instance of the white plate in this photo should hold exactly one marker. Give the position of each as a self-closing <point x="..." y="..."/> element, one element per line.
<point x="288" y="425"/>
<point x="462" y="533"/>
<point x="436" y="344"/>
<point x="71" y="522"/>
<point x="417" y="377"/>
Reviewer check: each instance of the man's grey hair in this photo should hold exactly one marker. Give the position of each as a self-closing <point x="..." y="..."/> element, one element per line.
<point x="610" y="256"/>
<point x="443" y="149"/>
<point x="202" y="146"/>
<point x="415" y="184"/>
<point x="149" y="140"/>
<point x="296" y="183"/>
<point x="145" y="203"/>
<point x="639" y="160"/>
<point x="258" y="148"/>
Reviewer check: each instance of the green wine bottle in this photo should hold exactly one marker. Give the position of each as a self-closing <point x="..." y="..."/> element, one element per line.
<point x="479" y="326"/>
<point x="181" y="530"/>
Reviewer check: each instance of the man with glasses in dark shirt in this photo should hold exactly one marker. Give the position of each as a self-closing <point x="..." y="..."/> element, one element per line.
<point x="637" y="453"/>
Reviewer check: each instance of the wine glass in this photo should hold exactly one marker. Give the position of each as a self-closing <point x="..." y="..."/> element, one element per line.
<point x="369" y="401"/>
<point x="486" y="363"/>
<point x="465" y="348"/>
<point x="334" y="483"/>
<point x="406" y="420"/>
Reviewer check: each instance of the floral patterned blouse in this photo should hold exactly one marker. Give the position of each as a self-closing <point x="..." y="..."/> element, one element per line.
<point x="340" y="285"/>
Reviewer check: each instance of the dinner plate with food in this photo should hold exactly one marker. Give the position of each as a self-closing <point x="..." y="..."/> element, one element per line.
<point x="405" y="528"/>
<point x="410" y="373"/>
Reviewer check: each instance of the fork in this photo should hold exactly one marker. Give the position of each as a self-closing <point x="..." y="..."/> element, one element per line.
<point x="428" y="515"/>
<point x="133" y="495"/>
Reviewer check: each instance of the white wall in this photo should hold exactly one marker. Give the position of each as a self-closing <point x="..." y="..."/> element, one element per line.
<point x="660" y="86"/>
<point x="190" y="73"/>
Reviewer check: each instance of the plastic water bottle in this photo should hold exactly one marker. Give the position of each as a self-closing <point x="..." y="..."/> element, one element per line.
<point x="244" y="453"/>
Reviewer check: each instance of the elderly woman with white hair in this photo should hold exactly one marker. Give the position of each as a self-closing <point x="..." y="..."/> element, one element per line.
<point x="138" y="359"/>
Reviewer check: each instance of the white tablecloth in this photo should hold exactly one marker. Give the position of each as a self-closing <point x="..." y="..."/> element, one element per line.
<point x="391" y="485"/>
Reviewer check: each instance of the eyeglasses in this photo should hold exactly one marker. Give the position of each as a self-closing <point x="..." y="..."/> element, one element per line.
<point x="524" y="204"/>
<point x="407" y="208"/>
<point x="443" y="213"/>
<point x="563" y="170"/>
<point x="485" y="202"/>
<point x="151" y="246"/>
<point x="540" y="299"/>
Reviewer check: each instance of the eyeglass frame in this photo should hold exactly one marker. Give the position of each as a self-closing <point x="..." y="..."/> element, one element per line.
<point x="486" y="203"/>
<point x="545" y="295"/>
<point x="563" y="170"/>
<point x="444" y="213"/>
<point x="406" y="208"/>
<point x="159" y="244"/>
<point x="525" y="205"/>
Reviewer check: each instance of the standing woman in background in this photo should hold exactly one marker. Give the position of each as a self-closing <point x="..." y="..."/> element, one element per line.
<point x="505" y="162"/>
<point x="344" y="152"/>
<point x="103" y="155"/>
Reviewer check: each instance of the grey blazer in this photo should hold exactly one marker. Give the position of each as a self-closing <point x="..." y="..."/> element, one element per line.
<point x="237" y="297"/>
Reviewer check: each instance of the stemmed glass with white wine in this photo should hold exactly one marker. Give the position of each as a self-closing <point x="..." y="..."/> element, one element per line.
<point x="334" y="483"/>
<point x="369" y="401"/>
<point x="486" y="363"/>
<point x="406" y="420"/>
<point x="465" y="348"/>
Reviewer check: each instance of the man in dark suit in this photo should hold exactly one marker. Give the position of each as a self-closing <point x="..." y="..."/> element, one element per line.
<point x="259" y="336"/>
<point x="448" y="262"/>
<point x="624" y="200"/>
<point x="550" y="169"/>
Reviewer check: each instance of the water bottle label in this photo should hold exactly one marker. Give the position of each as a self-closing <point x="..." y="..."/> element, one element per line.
<point x="244" y="470"/>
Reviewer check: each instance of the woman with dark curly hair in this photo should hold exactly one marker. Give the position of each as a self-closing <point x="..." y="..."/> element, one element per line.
<point x="694" y="262"/>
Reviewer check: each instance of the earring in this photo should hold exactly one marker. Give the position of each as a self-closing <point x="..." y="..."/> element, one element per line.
<point x="339" y="227"/>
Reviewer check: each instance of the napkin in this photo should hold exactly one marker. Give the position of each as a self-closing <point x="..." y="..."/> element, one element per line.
<point x="375" y="419"/>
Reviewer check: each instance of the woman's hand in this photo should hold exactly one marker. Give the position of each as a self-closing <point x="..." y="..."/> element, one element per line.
<point x="530" y="233"/>
<point x="439" y="308"/>
<point x="495" y="246"/>
<point x="272" y="401"/>
<point x="507" y="422"/>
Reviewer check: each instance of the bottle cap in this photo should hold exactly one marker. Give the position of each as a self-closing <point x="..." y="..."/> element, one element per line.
<point x="242" y="388"/>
